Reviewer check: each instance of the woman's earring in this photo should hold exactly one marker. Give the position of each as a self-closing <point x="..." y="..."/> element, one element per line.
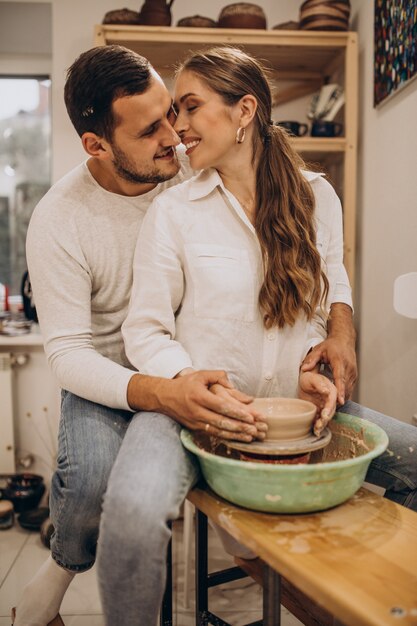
<point x="240" y="134"/>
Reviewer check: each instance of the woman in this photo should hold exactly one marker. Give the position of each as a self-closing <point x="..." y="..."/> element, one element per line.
<point x="227" y="270"/>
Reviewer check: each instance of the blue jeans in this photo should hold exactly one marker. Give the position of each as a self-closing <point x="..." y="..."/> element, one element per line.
<point x="149" y="480"/>
<point x="145" y="489"/>
<point x="396" y="469"/>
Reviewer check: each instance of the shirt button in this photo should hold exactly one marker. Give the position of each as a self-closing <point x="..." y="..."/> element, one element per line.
<point x="268" y="376"/>
<point x="271" y="336"/>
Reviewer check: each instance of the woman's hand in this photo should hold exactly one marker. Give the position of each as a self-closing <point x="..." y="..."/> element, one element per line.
<point x="322" y="392"/>
<point x="338" y="351"/>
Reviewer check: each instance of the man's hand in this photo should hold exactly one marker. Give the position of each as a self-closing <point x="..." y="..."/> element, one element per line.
<point x="234" y="398"/>
<point x="190" y="401"/>
<point x="338" y="351"/>
<point x="320" y="391"/>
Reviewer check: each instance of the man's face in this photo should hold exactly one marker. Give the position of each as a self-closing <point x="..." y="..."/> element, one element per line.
<point x="143" y="143"/>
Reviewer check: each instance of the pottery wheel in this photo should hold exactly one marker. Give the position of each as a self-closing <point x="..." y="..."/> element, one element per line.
<point x="277" y="448"/>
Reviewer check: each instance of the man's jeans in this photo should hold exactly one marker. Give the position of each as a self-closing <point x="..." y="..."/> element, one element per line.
<point x="149" y="481"/>
<point x="396" y="469"/>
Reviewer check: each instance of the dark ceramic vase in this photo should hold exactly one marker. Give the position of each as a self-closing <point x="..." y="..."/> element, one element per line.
<point x="156" y="13"/>
<point x="24" y="490"/>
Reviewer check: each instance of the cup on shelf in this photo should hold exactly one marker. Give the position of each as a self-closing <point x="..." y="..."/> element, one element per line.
<point x="295" y="128"/>
<point x="326" y="128"/>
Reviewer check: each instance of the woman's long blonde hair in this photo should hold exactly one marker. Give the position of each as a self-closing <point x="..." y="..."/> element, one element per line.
<point x="284" y="216"/>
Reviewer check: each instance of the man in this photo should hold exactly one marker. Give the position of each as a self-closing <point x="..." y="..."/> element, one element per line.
<point x="80" y="253"/>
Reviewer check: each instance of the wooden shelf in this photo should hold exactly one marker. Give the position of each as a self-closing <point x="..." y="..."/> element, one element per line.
<point x="293" y="54"/>
<point x="319" y="144"/>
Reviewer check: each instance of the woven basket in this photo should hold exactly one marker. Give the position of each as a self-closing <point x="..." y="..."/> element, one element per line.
<point x="291" y="25"/>
<point x="197" y="21"/>
<point x="325" y="15"/>
<point x="121" y="16"/>
<point x="242" y="15"/>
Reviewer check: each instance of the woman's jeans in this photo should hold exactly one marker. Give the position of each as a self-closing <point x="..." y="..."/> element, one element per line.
<point x="147" y="485"/>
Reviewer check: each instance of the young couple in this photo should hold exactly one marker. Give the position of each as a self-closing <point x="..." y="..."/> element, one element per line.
<point x="237" y="271"/>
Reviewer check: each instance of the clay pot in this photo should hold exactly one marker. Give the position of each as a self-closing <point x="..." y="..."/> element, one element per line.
<point x="24" y="490"/>
<point x="242" y="15"/>
<point x="288" y="419"/>
<point x="291" y="25"/>
<point x="156" y="13"/>
<point x="197" y="21"/>
<point x="121" y="16"/>
<point x="34" y="518"/>
<point x="325" y="15"/>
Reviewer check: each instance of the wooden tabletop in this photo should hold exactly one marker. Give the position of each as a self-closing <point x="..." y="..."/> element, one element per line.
<point x="358" y="560"/>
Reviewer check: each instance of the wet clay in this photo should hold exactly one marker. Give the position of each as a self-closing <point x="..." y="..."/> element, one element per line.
<point x="346" y="443"/>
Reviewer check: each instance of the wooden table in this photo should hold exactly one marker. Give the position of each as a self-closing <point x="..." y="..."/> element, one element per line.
<point x="358" y="560"/>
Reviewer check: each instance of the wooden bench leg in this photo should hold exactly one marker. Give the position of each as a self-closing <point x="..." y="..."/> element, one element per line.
<point x="165" y="617"/>
<point x="204" y="580"/>
<point x="201" y="570"/>
<point x="304" y="608"/>
<point x="271" y="597"/>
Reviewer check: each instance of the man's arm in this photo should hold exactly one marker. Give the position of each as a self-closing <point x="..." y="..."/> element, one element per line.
<point x="338" y="351"/>
<point x="189" y="400"/>
<point x="62" y="284"/>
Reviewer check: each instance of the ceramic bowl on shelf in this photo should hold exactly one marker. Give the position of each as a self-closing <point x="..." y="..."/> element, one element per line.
<point x="242" y="15"/>
<point x="197" y="21"/>
<point x="332" y="476"/>
<point x="324" y="15"/>
<point x="121" y="16"/>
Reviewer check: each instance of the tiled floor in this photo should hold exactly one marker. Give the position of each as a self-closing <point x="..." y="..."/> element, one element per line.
<point x="22" y="553"/>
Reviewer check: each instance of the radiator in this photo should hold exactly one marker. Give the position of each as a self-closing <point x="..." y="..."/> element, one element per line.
<point x="7" y="453"/>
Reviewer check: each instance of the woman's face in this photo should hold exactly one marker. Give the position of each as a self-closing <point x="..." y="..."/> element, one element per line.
<point x="207" y="126"/>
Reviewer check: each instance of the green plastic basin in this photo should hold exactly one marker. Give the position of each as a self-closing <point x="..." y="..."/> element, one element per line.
<point x="328" y="481"/>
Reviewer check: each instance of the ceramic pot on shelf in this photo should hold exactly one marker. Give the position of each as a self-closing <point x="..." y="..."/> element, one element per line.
<point x="156" y="13"/>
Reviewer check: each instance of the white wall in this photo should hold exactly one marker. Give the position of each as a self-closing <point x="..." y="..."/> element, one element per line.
<point x="387" y="235"/>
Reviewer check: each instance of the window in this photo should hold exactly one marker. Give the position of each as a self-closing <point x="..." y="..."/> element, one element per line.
<point x="25" y="134"/>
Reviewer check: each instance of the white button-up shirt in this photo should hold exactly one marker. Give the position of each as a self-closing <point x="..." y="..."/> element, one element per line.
<point x="197" y="275"/>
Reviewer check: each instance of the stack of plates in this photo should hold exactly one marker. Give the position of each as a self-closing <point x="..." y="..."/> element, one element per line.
<point x="325" y="15"/>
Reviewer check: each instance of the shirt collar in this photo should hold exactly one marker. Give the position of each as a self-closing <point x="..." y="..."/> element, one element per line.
<point x="204" y="183"/>
<point x="207" y="180"/>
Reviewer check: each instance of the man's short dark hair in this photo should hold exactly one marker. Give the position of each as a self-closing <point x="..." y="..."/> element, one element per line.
<point x="97" y="78"/>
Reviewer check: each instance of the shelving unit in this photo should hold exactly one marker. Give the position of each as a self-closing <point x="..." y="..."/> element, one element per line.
<point x="310" y="58"/>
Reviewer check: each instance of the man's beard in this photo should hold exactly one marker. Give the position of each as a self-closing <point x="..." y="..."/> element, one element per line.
<point x="126" y="169"/>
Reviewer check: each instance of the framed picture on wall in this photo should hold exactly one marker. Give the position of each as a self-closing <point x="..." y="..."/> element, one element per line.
<point x="395" y="47"/>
